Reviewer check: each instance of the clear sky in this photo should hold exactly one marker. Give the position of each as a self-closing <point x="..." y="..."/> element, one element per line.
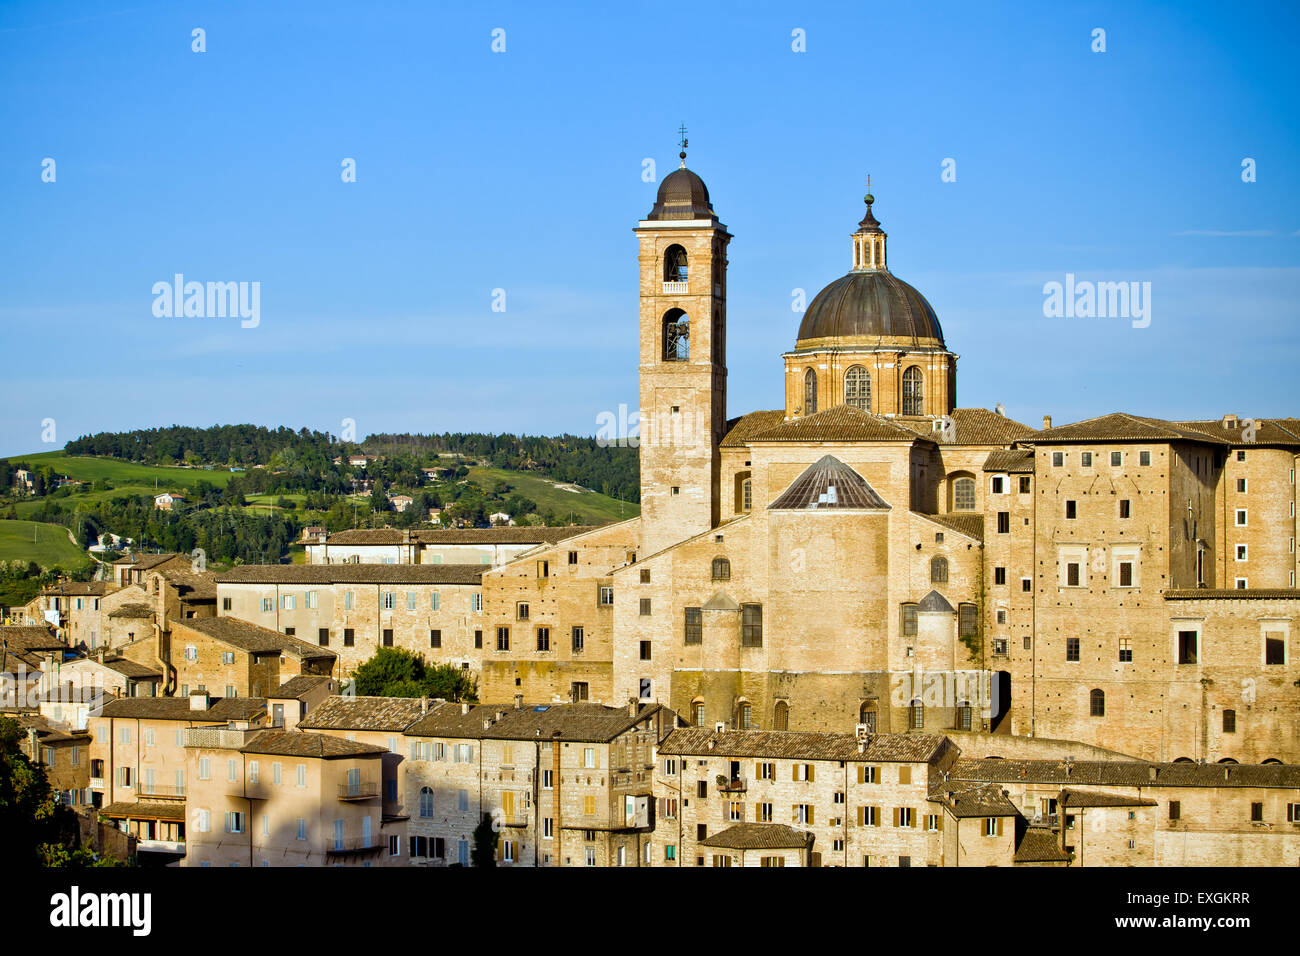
<point x="522" y="171"/>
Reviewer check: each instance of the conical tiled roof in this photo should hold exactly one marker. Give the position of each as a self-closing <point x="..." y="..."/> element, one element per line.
<point x="829" y="483"/>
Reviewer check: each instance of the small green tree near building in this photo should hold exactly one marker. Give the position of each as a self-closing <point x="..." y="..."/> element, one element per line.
<point x="397" y="672"/>
<point x="484" y="851"/>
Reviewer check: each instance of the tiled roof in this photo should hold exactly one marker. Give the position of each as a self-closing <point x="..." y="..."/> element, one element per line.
<point x="145" y="811"/>
<point x="1040" y="845"/>
<point x="1231" y="594"/>
<point x="515" y="534"/>
<point x="134" y="612"/>
<point x="193" y="585"/>
<point x="803" y="745"/>
<point x="364" y="713"/>
<point x="1096" y="798"/>
<point x="253" y="638"/>
<point x="220" y="709"/>
<point x="77" y="588"/>
<point x="759" y="836"/>
<point x="593" y="723"/>
<point x="293" y="743"/>
<point x="30" y="637"/>
<point x="964" y="799"/>
<point x="450" y="574"/>
<point x="298" y="687"/>
<point x="934" y="601"/>
<point x="129" y="668"/>
<point x="970" y="525"/>
<point x="843" y="423"/>
<point x="1121" y="426"/>
<point x="740" y="430"/>
<point x="1128" y="773"/>
<point x="1268" y="431"/>
<point x="1013" y="461"/>
<point x="972" y="426"/>
<point x="828" y="484"/>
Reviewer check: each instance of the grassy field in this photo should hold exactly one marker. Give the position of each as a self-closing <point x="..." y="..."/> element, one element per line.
<point x="586" y="507"/>
<point x="46" y="544"/>
<point x="123" y="473"/>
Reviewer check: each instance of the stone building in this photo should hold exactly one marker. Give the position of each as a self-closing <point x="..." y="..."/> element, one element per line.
<point x="240" y="659"/>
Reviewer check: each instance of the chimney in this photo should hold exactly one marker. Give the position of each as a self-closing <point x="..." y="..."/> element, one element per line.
<point x="1229" y="420"/>
<point x="199" y="700"/>
<point x="424" y="705"/>
<point x="862" y="746"/>
<point x="1151" y="773"/>
<point x="633" y="707"/>
<point x="1047" y="422"/>
<point x="464" y="707"/>
<point x="501" y="715"/>
<point x="519" y="701"/>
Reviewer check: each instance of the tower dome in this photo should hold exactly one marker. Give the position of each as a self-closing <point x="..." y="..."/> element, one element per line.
<point x="869" y="306"/>
<point x="682" y="195"/>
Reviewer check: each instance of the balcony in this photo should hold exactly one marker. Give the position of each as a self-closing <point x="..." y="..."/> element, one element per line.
<point x="161" y="846"/>
<point x="735" y="785"/>
<point x="675" y="288"/>
<point x="96" y="783"/>
<point x="355" y="847"/>
<point x="365" y="790"/>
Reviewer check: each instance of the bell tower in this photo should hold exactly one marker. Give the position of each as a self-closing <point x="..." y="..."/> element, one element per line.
<point x="683" y="368"/>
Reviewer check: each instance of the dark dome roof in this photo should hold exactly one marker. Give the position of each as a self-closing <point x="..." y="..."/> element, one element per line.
<point x="871" y="304"/>
<point x="682" y="195"/>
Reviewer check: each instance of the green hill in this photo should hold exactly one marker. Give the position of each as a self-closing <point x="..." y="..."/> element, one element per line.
<point x="584" y="507"/>
<point x="46" y="544"/>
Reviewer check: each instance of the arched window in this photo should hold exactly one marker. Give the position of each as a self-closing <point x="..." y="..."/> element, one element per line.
<point x="963" y="715"/>
<point x="781" y="716"/>
<point x="744" y="715"/>
<point x="913" y="392"/>
<point x="857" y="388"/>
<point x="1097" y="703"/>
<point x="677" y="336"/>
<point x="697" y="712"/>
<point x="675" y="264"/>
<point x="963" y="494"/>
<point x="747" y="495"/>
<point x="867" y="715"/>
<point x="426" y="801"/>
<point x="721" y="569"/>
<point x="938" y="570"/>
<point x="916" y="714"/>
<point x="809" y="392"/>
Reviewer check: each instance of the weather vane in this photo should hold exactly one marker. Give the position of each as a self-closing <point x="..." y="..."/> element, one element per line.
<point x="683" y="144"/>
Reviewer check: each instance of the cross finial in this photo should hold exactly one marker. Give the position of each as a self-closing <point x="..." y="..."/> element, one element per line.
<point x="683" y="144"/>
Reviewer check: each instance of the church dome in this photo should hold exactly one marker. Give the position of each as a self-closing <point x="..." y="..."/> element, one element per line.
<point x="682" y="195"/>
<point x="870" y="307"/>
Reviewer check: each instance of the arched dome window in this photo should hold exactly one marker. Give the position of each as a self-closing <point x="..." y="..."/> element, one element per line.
<point x="677" y="336"/>
<point x="675" y="264"/>
<point x="744" y="715"/>
<point x="913" y="392"/>
<point x="857" y="388"/>
<point x="938" y="570"/>
<point x="809" y="392"/>
<point x="721" y="569"/>
<point x="963" y="494"/>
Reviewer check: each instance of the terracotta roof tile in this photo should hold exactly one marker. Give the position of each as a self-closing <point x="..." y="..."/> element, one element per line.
<point x="293" y="743"/>
<point x="843" y="423"/>
<point x="740" y="430"/>
<point x="759" y="836"/>
<point x="449" y="574"/>
<point x="804" y="745"/>
<point x="253" y="638"/>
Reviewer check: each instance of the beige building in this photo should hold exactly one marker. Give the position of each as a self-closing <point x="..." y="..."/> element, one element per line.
<point x="480" y="546"/>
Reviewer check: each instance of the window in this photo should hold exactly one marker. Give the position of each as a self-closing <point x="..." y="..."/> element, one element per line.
<point x="909" y="620"/>
<point x="1229" y="721"/>
<point x="1097" y="703"/>
<point x="388" y="600"/>
<point x="543" y="569"/>
<point x="1125" y="650"/>
<point x="916" y="715"/>
<point x="751" y="628"/>
<point x="967" y="620"/>
<point x="1187" y="644"/>
<point x="1144" y="458"/>
<point x="577" y="639"/>
<point x="1243" y="584"/>
<point x="478" y="639"/>
<point x="543" y="638"/>
<point x="1071" y="648"/>
<point x="521" y="611"/>
<point x="938" y="570"/>
<point x="694" y="625"/>
<point x="1058" y="459"/>
<point x="426" y="802"/>
<point x="435" y="637"/>
<point x="1241" y="517"/>
<point x="721" y="569"/>
<point x="1126" y="574"/>
<point x="999" y="575"/>
<point x="964" y="715"/>
<point x="781" y="716"/>
<point x="268" y="605"/>
<point x="191" y="652"/>
<point x="963" y="494"/>
<point x="1293" y="813"/>
<point x="1085" y="459"/>
<point x="676" y="336"/>
<point x="1274" y="648"/>
<point x="606" y="597"/>
<point x="573" y="557"/>
<point x="1071" y="509"/>
<point x="1072" y="574"/>
<point x="868" y="816"/>
<point x="904" y="817"/>
<point x="302" y="775"/>
<point x="1125" y="508"/>
<point x="802" y="813"/>
<point x="225" y="604"/>
<point x="1024" y="484"/>
<point x="644" y="607"/>
<point x="809" y="392"/>
<point x="913" y="392"/>
<point x="857" y="388"/>
<point x="234" y="822"/>
<point x="503" y="638"/>
<point x="747" y="495"/>
<point x="645" y="650"/>
<point x="349" y="637"/>
<point x="388" y="637"/>
<point x="998" y="485"/>
<point x="1116" y="459"/>
<point x="1026" y="584"/>
<point x="1004" y="522"/>
<point x="1256" y="812"/>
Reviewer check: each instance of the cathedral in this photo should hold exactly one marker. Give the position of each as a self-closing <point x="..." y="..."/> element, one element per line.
<point x="872" y="557"/>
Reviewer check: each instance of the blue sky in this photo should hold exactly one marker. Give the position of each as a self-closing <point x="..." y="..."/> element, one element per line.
<point x="522" y="171"/>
